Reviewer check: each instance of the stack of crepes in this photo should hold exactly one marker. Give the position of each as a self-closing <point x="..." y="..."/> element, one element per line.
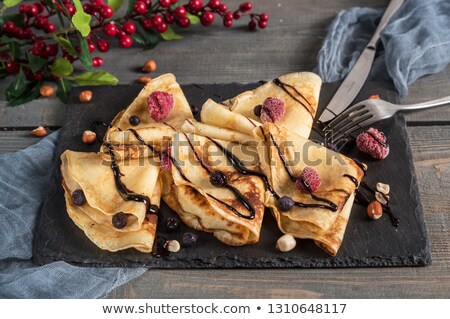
<point x="218" y="174"/>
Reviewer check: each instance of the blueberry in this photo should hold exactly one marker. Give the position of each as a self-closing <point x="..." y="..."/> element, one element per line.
<point x="119" y="220"/>
<point x="134" y="120"/>
<point x="285" y="203"/>
<point x="188" y="240"/>
<point x="194" y="109"/>
<point x="78" y="197"/>
<point x="257" y="110"/>
<point x="172" y="224"/>
<point x="160" y="247"/>
<point x="218" y="178"/>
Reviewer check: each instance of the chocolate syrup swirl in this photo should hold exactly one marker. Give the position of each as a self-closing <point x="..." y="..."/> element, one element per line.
<point x="284" y="86"/>
<point x="361" y="166"/>
<point x="122" y="189"/>
<point x="141" y="140"/>
<point x="233" y="189"/>
<point x="353" y="179"/>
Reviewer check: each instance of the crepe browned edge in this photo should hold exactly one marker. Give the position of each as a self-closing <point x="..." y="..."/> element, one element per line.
<point x="200" y="211"/>
<point x="324" y="226"/>
<point x="301" y="101"/>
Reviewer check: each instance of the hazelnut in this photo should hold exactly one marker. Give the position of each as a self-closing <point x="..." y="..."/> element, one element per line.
<point x="382" y="198"/>
<point x="383" y="188"/>
<point x="144" y="79"/>
<point x="47" y="90"/>
<point x="39" y="131"/>
<point x="374" y="97"/>
<point x="374" y="210"/>
<point x="85" y="96"/>
<point x="149" y="66"/>
<point x="173" y="246"/>
<point x="286" y="243"/>
<point x="89" y="137"/>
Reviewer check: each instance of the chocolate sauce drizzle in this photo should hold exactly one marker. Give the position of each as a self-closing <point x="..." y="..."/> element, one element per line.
<point x="124" y="192"/>
<point x="141" y="140"/>
<point x="284" y="86"/>
<point x="361" y="166"/>
<point x="353" y="179"/>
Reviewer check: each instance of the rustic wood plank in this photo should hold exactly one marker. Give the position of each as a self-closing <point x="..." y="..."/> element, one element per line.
<point x="214" y="55"/>
<point x="431" y="149"/>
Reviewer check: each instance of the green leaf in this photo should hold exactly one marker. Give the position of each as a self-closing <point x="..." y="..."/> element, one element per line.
<point x="64" y="89"/>
<point x="17" y="87"/>
<point x="66" y="45"/>
<point x="30" y="93"/>
<point x="35" y="63"/>
<point x="193" y="18"/>
<point x="130" y="6"/>
<point x="85" y="55"/>
<point x="15" y="50"/>
<point x="115" y="4"/>
<point x="96" y="78"/>
<point x="51" y="4"/>
<point x="148" y="38"/>
<point x="81" y="19"/>
<point x="170" y="34"/>
<point x="11" y="3"/>
<point x="61" y="68"/>
<point x="18" y="19"/>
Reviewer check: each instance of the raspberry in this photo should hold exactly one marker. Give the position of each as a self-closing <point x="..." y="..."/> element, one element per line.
<point x="160" y="104"/>
<point x="308" y="181"/>
<point x="272" y="110"/>
<point x="166" y="162"/>
<point x="373" y="142"/>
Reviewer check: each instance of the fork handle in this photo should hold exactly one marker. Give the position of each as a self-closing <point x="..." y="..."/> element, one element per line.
<point x="426" y="105"/>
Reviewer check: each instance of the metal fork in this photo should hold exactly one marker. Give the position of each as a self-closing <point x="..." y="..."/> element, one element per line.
<point x="370" y="111"/>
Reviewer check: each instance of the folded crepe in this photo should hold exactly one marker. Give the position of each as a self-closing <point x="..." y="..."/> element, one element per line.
<point x="209" y="193"/>
<point x="95" y="178"/>
<point x="299" y="92"/>
<point x="322" y="215"/>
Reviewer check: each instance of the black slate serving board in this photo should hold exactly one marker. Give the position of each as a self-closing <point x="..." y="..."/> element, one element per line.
<point x="366" y="242"/>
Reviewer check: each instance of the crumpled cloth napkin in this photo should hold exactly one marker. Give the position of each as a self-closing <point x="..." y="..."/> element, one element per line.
<point x="24" y="176"/>
<point x="416" y="42"/>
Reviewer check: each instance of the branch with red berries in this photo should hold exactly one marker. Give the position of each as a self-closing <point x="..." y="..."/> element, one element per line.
<point x="34" y="50"/>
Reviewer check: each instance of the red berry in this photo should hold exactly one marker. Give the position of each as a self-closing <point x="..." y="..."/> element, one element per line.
<point x="8" y="27"/>
<point x="33" y="76"/>
<point x="97" y="61"/>
<point x="70" y="8"/>
<point x="264" y="17"/>
<point x="19" y="33"/>
<point x="252" y="25"/>
<point x="207" y="18"/>
<point x="183" y="22"/>
<point x="273" y="110"/>
<point x="180" y="12"/>
<point x="159" y="105"/>
<point x="308" y="181"/>
<point x="373" y="142"/>
<point x="40" y="21"/>
<point x="161" y="28"/>
<point x="110" y="29"/>
<point x="49" y="27"/>
<point x="51" y="50"/>
<point x="148" y="3"/>
<point x="126" y="41"/>
<point x="236" y="15"/>
<point x="165" y="3"/>
<point x="147" y="23"/>
<point x="262" y="24"/>
<point x="97" y="4"/>
<point x="169" y="18"/>
<point x="129" y="27"/>
<point x="32" y="11"/>
<point x="88" y="8"/>
<point x="23" y="8"/>
<point x="120" y="34"/>
<point x="140" y="7"/>
<point x="40" y="6"/>
<point x="107" y="12"/>
<point x="12" y="67"/>
<point x="227" y="23"/>
<point x="173" y="1"/>
<point x="223" y="8"/>
<point x="102" y="45"/>
<point x="247" y="6"/>
<point x="39" y="44"/>
<point x="196" y="4"/>
<point x="228" y="16"/>
<point x="213" y="4"/>
<point x="157" y="20"/>
<point x="91" y="46"/>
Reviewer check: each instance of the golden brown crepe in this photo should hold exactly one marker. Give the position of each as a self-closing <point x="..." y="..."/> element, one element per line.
<point x="94" y="176"/>
<point x="299" y="92"/>
<point x="338" y="174"/>
<point x="203" y="206"/>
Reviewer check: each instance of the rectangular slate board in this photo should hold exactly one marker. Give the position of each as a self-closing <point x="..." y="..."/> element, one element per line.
<point x="366" y="242"/>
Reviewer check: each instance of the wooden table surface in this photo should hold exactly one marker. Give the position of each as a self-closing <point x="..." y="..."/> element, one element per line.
<point x="290" y="43"/>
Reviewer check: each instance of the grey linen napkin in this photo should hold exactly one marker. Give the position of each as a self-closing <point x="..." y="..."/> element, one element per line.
<point x="24" y="176"/>
<point x="416" y="42"/>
